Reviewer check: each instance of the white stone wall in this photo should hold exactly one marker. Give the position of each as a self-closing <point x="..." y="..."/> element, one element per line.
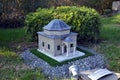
<point x="56" y="43"/>
<point x="46" y="42"/>
<point x="74" y="43"/>
<point x="72" y="48"/>
<point x="53" y="45"/>
<point x="57" y="32"/>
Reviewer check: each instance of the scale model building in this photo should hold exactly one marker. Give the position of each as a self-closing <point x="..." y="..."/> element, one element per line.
<point x="56" y="39"/>
<point x="57" y="42"/>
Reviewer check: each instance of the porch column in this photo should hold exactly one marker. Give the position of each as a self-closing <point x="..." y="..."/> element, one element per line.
<point x="67" y="49"/>
<point x="74" y="48"/>
<point x="62" y="49"/>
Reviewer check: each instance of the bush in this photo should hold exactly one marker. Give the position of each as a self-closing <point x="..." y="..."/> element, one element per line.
<point x="37" y="20"/>
<point x="85" y="21"/>
<point x="1" y="9"/>
<point x="13" y="19"/>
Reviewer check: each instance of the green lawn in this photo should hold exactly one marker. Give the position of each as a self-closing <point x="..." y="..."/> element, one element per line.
<point x="110" y="47"/>
<point x="12" y="66"/>
<point x="12" y="34"/>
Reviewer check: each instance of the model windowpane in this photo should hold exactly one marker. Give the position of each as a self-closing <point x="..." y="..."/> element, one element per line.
<point x="43" y="44"/>
<point x="48" y="46"/>
<point x="71" y="45"/>
<point x="58" y="47"/>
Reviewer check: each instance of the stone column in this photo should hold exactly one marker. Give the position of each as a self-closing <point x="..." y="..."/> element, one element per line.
<point x="67" y="49"/>
<point x="74" y="50"/>
<point x="62" y="49"/>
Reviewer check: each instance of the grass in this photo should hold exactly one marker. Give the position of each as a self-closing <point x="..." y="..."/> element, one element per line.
<point x="111" y="28"/>
<point x="9" y="35"/>
<point x="111" y="20"/>
<point x="110" y="47"/>
<point x="28" y="74"/>
<point x="53" y="62"/>
<point x="12" y="66"/>
<point x="49" y="60"/>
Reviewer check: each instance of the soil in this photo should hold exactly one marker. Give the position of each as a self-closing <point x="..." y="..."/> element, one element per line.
<point x="20" y="47"/>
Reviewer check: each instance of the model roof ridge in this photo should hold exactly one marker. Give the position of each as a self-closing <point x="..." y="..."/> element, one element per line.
<point x="69" y="39"/>
<point x="57" y="25"/>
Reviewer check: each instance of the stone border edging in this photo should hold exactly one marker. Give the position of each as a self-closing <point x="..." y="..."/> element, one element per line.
<point x="88" y="63"/>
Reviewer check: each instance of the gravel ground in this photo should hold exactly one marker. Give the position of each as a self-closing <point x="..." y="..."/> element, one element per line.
<point x="91" y="62"/>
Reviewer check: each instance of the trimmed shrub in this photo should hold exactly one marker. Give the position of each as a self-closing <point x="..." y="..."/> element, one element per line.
<point x="85" y="21"/>
<point x="37" y="20"/>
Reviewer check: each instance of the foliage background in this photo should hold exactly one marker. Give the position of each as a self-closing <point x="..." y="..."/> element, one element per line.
<point x="32" y="5"/>
<point x="85" y="21"/>
<point x="12" y="12"/>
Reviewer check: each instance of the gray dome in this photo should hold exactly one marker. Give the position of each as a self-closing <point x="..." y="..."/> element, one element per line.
<point x="68" y="39"/>
<point x="56" y="25"/>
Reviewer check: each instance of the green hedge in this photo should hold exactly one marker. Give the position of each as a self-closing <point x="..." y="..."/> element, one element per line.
<point x="85" y="21"/>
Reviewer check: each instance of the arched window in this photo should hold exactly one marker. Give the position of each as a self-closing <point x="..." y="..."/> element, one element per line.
<point x="71" y="45"/>
<point x="58" y="47"/>
<point x="43" y="44"/>
<point x="48" y="46"/>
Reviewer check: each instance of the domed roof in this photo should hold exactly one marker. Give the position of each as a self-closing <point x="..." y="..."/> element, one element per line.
<point x="56" y="25"/>
<point x="68" y="39"/>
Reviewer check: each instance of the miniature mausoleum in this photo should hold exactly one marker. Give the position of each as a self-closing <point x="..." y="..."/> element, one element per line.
<point x="56" y="39"/>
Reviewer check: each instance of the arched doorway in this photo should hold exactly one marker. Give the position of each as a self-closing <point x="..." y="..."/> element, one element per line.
<point x="65" y="49"/>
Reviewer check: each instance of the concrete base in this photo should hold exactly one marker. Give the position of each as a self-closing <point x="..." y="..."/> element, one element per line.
<point x="63" y="57"/>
